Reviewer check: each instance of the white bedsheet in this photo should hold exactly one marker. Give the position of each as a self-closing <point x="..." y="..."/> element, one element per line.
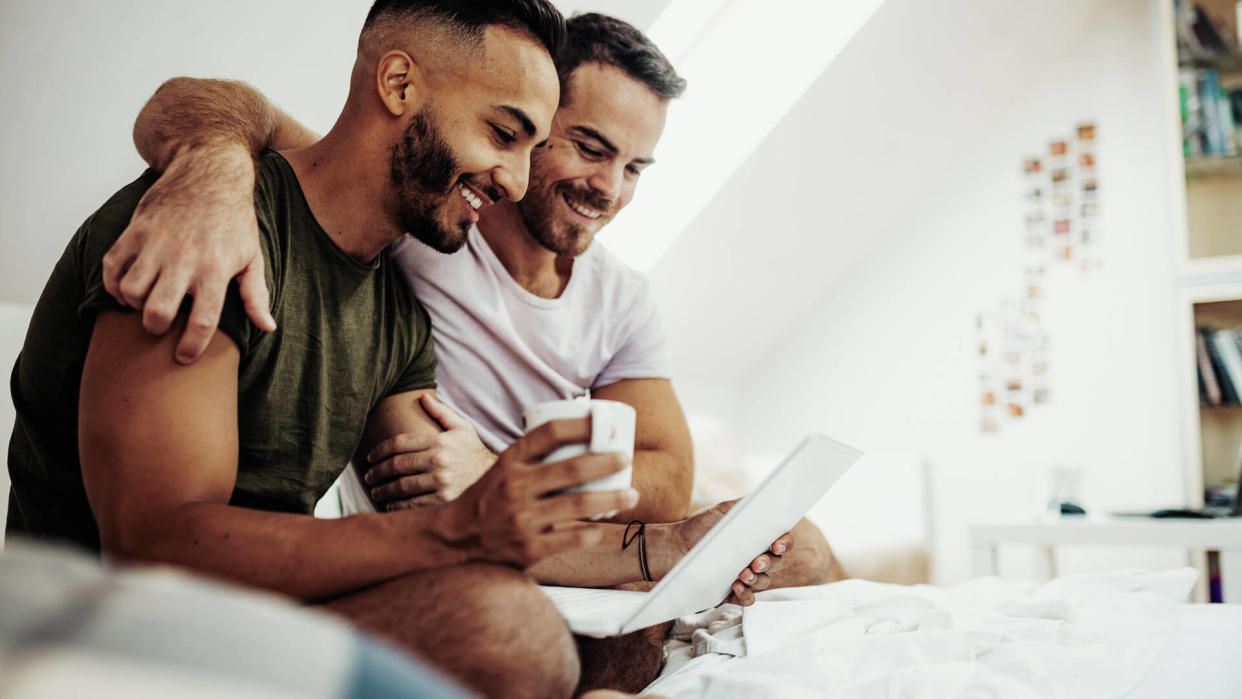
<point x="1079" y="636"/>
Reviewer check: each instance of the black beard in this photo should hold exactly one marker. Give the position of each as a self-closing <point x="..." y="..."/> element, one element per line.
<point x="422" y="173"/>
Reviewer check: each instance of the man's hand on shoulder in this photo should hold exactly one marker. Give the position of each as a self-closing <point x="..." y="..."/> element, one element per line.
<point x="193" y="231"/>
<point x="515" y="515"/>
<point x="416" y="470"/>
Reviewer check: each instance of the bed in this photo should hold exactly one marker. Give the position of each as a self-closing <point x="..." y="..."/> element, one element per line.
<point x="69" y="626"/>
<point x="1115" y="635"/>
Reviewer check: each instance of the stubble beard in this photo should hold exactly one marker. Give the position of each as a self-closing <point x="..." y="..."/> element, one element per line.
<point x="541" y="211"/>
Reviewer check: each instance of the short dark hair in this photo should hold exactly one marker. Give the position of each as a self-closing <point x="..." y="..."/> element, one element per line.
<point x="596" y="38"/>
<point x="539" y="18"/>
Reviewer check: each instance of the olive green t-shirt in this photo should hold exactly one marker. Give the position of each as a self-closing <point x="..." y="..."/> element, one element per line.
<point x="348" y="334"/>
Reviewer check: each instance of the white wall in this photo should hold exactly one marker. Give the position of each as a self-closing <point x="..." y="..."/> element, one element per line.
<point x="898" y="177"/>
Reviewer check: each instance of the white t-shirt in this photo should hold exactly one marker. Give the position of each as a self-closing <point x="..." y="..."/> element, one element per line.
<point x="501" y="348"/>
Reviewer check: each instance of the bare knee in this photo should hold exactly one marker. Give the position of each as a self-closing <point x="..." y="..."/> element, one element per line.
<point x="521" y="632"/>
<point x="490" y="627"/>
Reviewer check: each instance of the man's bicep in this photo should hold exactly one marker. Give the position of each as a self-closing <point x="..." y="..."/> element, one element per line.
<point x="153" y="434"/>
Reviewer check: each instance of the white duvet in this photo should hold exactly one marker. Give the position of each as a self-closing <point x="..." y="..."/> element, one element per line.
<point x="1078" y="636"/>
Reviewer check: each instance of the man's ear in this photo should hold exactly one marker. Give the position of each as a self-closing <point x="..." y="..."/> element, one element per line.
<point x="400" y="83"/>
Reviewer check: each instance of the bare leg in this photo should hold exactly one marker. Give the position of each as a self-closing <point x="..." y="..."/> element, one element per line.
<point x="487" y="626"/>
<point x="625" y="663"/>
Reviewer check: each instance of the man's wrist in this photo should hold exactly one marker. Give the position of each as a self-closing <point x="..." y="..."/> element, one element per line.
<point x="452" y="527"/>
<point x="663" y="549"/>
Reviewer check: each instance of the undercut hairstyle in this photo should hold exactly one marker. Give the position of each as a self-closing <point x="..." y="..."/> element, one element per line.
<point x="596" y="38"/>
<point x="469" y="18"/>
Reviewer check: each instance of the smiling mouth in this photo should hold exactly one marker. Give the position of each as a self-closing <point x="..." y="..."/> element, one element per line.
<point x="472" y="198"/>
<point x="580" y="209"/>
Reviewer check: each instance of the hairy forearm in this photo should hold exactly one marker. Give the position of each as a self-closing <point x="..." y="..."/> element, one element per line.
<point x="188" y="113"/>
<point x="296" y="555"/>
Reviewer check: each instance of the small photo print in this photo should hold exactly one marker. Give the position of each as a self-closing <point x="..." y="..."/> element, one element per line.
<point x="1015" y="410"/>
<point x="1065" y="252"/>
<point x="1060" y="175"/>
<point x="1090" y="209"/>
<point x="1062" y="226"/>
<point x="1041" y="395"/>
<point x="1089" y="184"/>
<point x="1032" y="166"/>
<point x="1086" y="132"/>
<point x="1058" y="148"/>
<point x="1086" y="160"/>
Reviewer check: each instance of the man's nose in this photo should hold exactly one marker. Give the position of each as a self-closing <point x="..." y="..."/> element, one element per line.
<point x="513" y="177"/>
<point x="607" y="180"/>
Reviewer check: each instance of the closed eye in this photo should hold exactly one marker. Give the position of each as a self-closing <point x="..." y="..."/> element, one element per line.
<point x="503" y="136"/>
<point x="588" y="151"/>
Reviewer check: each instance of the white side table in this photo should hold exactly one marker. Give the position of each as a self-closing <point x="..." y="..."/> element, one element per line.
<point x="1223" y="536"/>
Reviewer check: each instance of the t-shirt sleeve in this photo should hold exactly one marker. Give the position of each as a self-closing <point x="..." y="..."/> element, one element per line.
<point x="96" y="237"/>
<point x="420" y="371"/>
<point x="642" y="348"/>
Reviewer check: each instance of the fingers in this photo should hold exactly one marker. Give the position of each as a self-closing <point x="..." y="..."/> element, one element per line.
<point x="754" y="581"/>
<point x="549" y="478"/>
<point x="204" y="317"/>
<point x="137" y="282"/>
<point x="254" y="294"/>
<point x="741" y="595"/>
<point x="441" y="413"/>
<point x="784" y="544"/>
<point x="398" y="466"/>
<point x="406" y="487"/>
<point x="544" y="439"/>
<point x="401" y="444"/>
<point x="574" y="506"/>
<point x="117" y="261"/>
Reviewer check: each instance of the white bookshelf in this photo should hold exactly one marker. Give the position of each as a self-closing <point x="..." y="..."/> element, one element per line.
<point x="1205" y="245"/>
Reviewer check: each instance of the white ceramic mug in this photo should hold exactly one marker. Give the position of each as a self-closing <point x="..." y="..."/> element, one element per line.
<point x="612" y="430"/>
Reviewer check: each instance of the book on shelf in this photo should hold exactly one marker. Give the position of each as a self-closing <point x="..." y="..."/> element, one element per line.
<point x="1211" y="115"/>
<point x="1211" y="112"/>
<point x="1223" y="364"/>
<point x="1210" y="387"/>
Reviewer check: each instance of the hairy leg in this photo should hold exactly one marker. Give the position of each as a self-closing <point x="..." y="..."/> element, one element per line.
<point x="625" y="663"/>
<point x="487" y="626"/>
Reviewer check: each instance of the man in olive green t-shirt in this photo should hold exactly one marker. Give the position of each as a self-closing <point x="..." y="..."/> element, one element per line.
<point x="360" y="337"/>
<point x="213" y="466"/>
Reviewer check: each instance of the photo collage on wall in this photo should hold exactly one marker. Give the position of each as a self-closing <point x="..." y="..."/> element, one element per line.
<point x="1061" y="228"/>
